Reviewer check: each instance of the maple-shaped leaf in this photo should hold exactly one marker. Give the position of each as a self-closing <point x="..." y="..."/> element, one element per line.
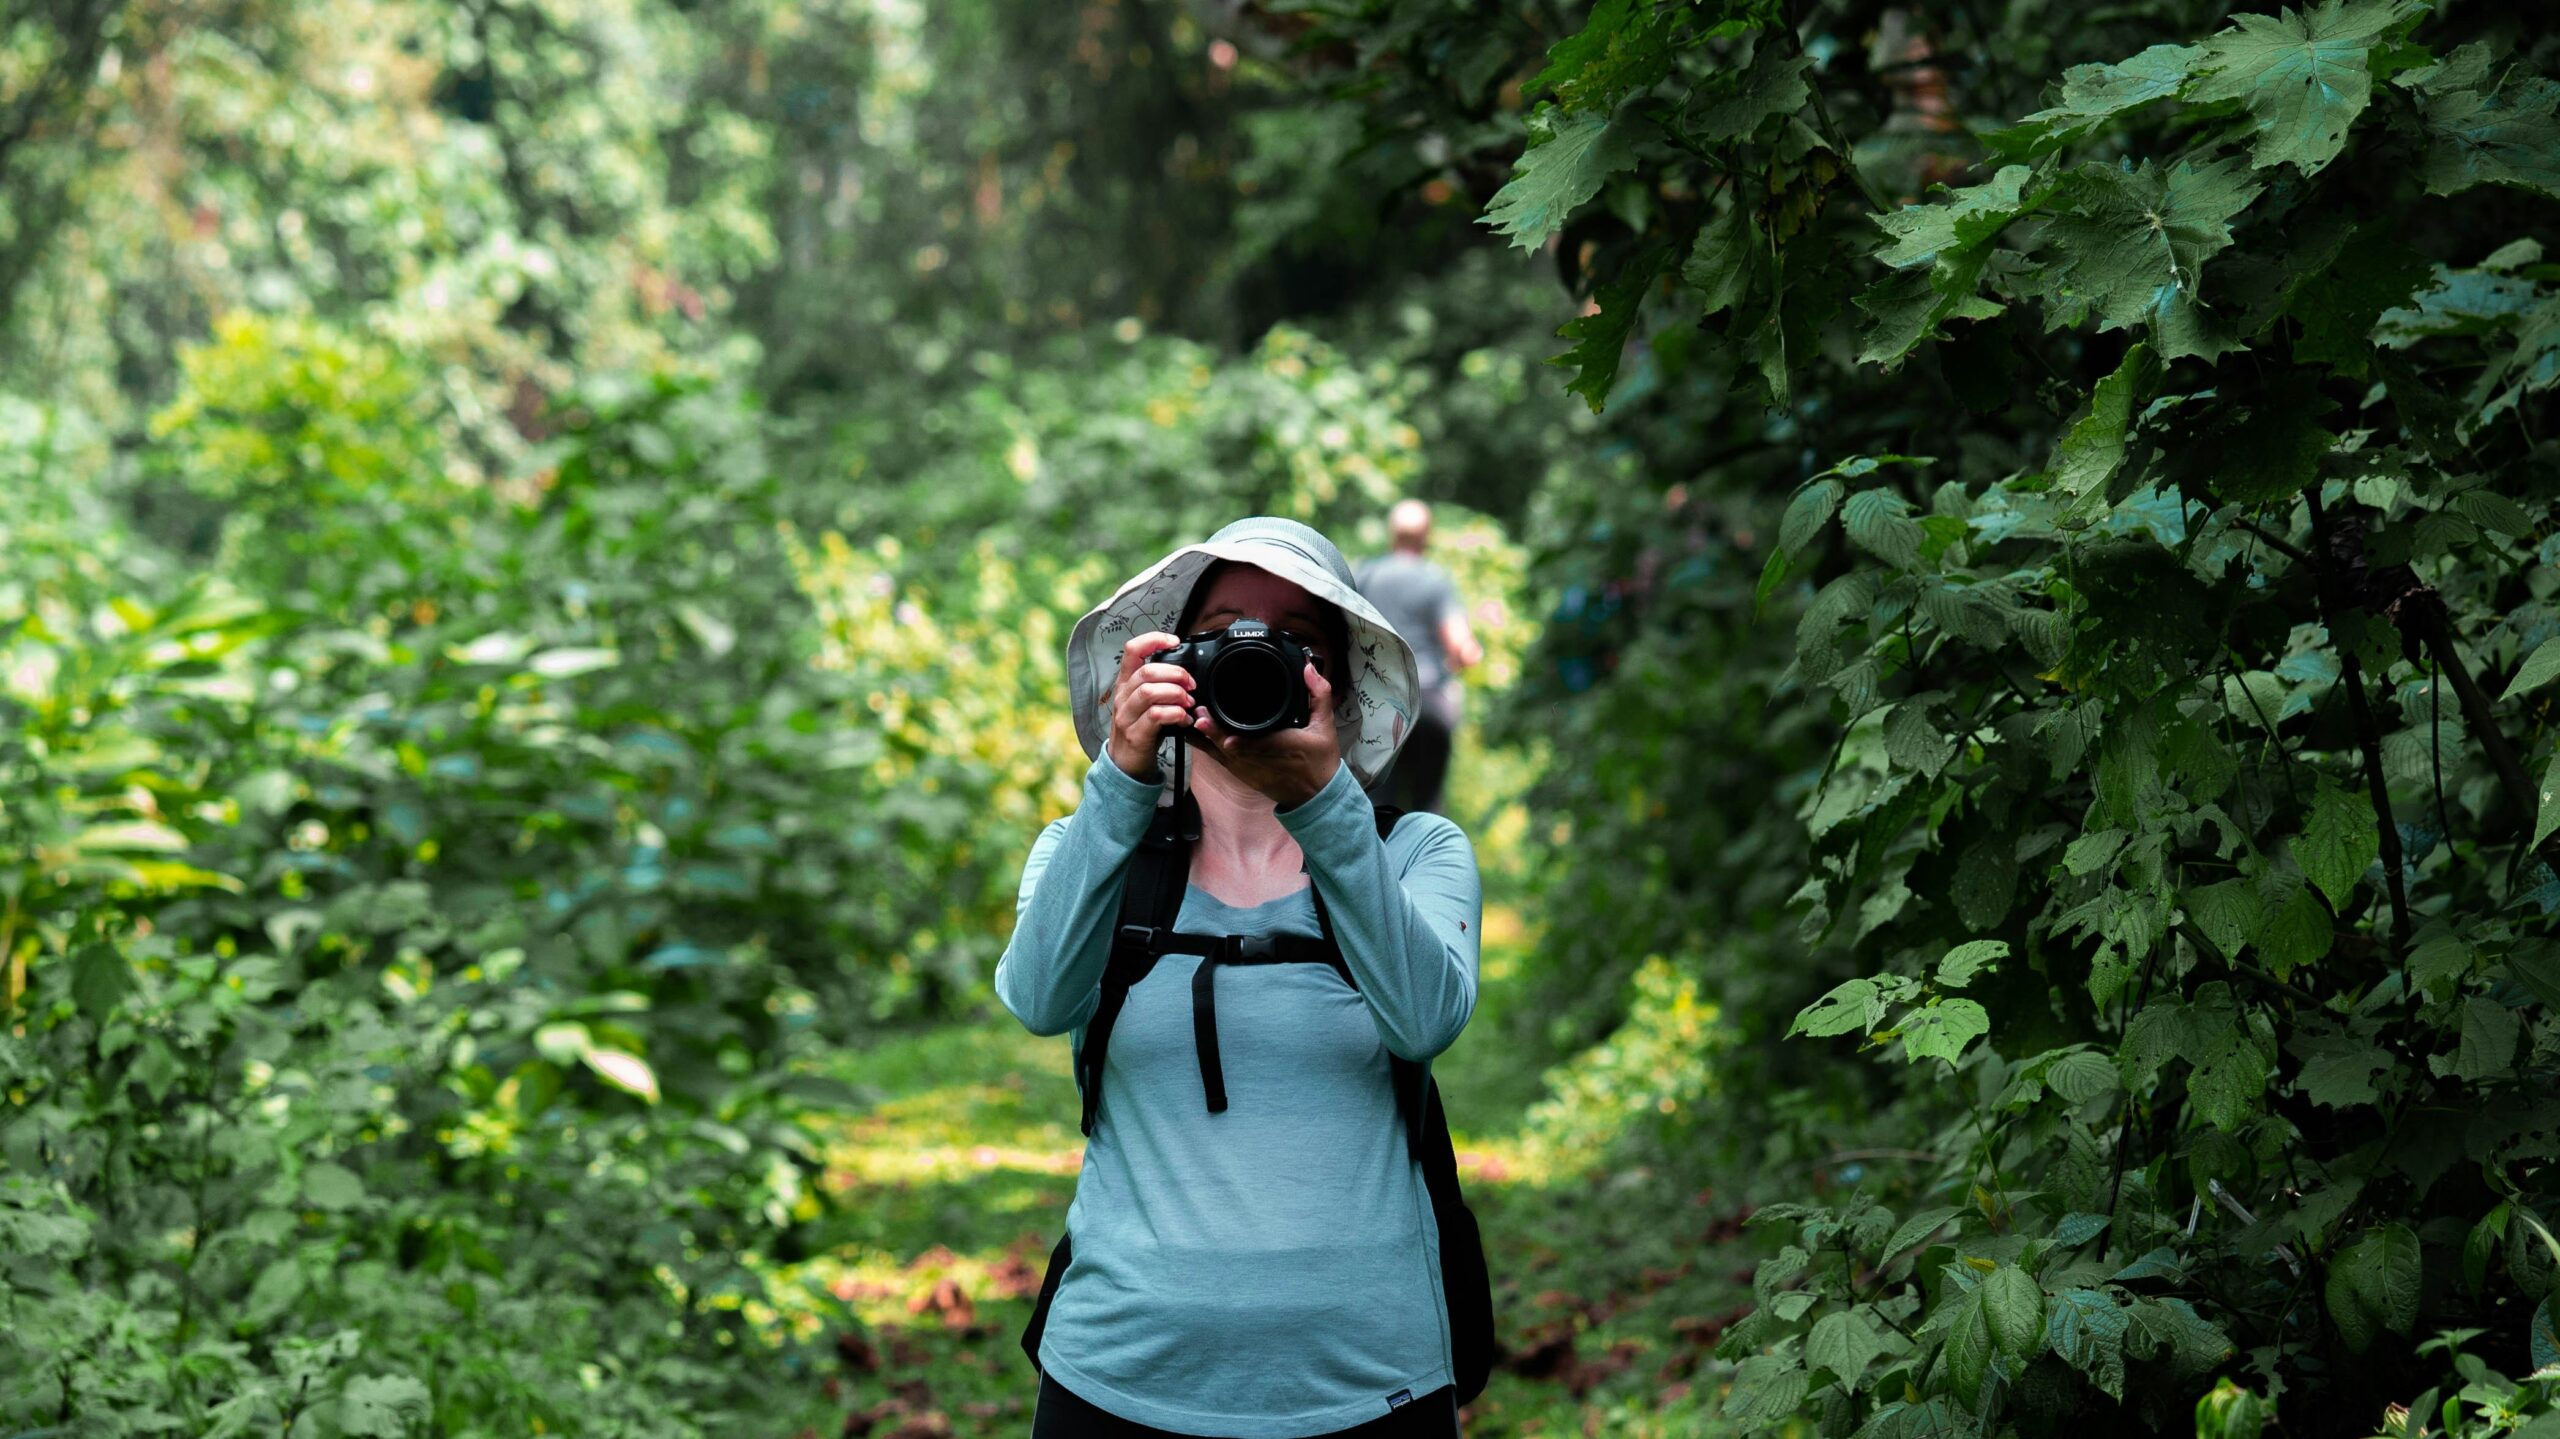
<point x="1621" y="48"/>
<point x="1600" y="338"/>
<point x="2129" y="246"/>
<point x="1941" y="247"/>
<point x="2091" y="451"/>
<point x="1773" y="85"/>
<point x="1925" y="234"/>
<point x="1556" y="175"/>
<point x="2304" y="77"/>
<point x="2092" y="94"/>
<point x="2485" y="131"/>
<point x="1729" y="261"/>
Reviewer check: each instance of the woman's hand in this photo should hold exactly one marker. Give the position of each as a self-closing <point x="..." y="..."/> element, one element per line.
<point x="1289" y="765"/>
<point x="1146" y="700"/>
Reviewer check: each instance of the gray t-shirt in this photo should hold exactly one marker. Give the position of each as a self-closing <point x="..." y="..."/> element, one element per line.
<point x="1417" y="597"/>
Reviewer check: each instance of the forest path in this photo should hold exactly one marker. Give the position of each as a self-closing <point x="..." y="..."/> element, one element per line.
<point x="951" y="1190"/>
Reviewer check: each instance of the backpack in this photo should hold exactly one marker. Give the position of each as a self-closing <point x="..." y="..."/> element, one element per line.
<point x="1159" y="873"/>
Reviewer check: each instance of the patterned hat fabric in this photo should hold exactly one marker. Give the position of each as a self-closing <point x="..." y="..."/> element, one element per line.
<point x="1375" y="697"/>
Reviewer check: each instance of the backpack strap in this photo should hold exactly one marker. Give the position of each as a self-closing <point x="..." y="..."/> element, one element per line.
<point x="1215" y="950"/>
<point x="1159" y="873"/>
<point x="1150" y="898"/>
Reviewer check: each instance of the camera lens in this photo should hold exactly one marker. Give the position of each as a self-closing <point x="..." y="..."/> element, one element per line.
<point x="1250" y="687"/>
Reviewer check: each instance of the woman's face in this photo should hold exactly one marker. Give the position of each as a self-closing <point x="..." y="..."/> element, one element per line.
<point x="1241" y="592"/>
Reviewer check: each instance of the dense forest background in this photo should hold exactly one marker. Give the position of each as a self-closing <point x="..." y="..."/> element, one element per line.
<point x="2016" y="770"/>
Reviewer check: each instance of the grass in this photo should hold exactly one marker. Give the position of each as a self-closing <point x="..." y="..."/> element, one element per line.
<point x="1610" y="1282"/>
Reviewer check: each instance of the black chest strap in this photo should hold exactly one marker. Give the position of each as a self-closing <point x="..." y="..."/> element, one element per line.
<point x="1159" y="874"/>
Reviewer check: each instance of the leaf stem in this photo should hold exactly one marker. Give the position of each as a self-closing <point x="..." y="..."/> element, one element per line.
<point x="1830" y="130"/>
<point x="2429" y="622"/>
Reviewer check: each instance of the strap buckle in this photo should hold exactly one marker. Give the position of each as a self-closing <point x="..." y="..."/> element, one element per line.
<point x="1140" y="937"/>
<point x="1247" y="949"/>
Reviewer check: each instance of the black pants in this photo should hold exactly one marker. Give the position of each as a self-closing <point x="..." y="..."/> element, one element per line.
<point x="1061" y="1415"/>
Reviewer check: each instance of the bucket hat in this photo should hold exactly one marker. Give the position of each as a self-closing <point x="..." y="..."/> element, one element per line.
<point x="1374" y="696"/>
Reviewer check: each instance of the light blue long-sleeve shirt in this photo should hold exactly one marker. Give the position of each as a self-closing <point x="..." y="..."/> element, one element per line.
<point x="1273" y="1270"/>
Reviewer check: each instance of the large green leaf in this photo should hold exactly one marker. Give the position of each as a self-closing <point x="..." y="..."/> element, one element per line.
<point x="382" y="1407"/>
<point x="1600" y="338"/>
<point x="2304" y="77"/>
<point x="1918" y="1227"/>
<point x="2547" y="806"/>
<point x="2227" y="1081"/>
<point x="2129" y="247"/>
<point x="1844" y="1342"/>
<point x="1970" y="1347"/>
<point x="100" y="979"/>
<point x="2536" y="671"/>
<point x="1942" y="1030"/>
<point x="2272" y="452"/>
<point x="1969" y="959"/>
<point x="2087" y="1328"/>
<point x="1851" y="1005"/>
<point x="2489" y="1034"/>
<point x="2230" y="913"/>
<point x="2373" y="1286"/>
<point x="1728" y="261"/>
<point x="1941" y="248"/>
<point x="2013" y="1306"/>
<point x="2338" y="843"/>
<point x="2340" y="1070"/>
<point x="2485" y="131"/>
<point x="1773" y="85"/>
<point x="2093" y="94"/>
<point x="2094" y="446"/>
<point x="1557" y="173"/>
<point x="1766" y="1389"/>
<point x="1619" y="49"/>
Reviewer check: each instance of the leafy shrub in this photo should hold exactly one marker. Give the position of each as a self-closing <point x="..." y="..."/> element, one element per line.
<point x="2120" y="515"/>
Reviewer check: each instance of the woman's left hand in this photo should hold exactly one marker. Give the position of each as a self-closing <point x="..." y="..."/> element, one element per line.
<point x="1289" y="765"/>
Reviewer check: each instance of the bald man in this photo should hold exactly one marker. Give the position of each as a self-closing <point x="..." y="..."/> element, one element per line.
<point x="1420" y="600"/>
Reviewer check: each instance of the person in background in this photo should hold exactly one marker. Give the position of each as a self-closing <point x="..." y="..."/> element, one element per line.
<point x="1421" y="601"/>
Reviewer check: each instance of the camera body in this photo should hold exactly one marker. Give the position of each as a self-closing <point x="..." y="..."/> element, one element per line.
<point x="1250" y="678"/>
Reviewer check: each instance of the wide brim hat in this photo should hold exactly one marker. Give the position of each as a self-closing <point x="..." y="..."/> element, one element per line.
<point x="1375" y="695"/>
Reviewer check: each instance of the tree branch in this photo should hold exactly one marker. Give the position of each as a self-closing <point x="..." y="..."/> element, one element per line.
<point x="2334" y="602"/>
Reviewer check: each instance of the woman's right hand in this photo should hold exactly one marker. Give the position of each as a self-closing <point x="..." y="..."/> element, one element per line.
<point x="1146" y="700"/>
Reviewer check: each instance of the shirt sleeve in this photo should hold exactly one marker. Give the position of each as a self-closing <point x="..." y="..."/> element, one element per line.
<point x="1050" y="975"/>
<point x="1409" y="933"/>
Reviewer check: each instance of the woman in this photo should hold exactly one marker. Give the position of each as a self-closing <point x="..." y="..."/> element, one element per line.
<point x="1269" y="1270"/>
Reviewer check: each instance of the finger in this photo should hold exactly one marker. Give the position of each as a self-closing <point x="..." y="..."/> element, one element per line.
<point x="1319" y="689"/>
<point x="1144" y="720"/>
<point x="1169" y="674"/>
<point x="1143" y="647"/>
<point x="1162" y="693"/>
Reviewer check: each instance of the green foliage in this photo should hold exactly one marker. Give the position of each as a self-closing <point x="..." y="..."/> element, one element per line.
<point x="2168" y="672"/>
<point x="413" y="1001"/>
<point x="1564" y="167"/>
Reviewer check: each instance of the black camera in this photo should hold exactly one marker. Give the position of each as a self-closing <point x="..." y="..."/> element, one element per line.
<point x="1250" y="678"/>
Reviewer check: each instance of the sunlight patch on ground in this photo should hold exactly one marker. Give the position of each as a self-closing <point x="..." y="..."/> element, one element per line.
<point x="938" y="1288"/>
<point x="1659" y="1060"/>
<point x="945" y="1134"/>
